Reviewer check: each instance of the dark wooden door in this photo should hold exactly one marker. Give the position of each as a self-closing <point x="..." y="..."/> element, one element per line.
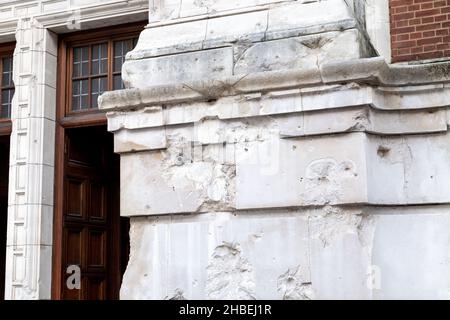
<point x="92" y="237"/>
<point x="4" y="172"/>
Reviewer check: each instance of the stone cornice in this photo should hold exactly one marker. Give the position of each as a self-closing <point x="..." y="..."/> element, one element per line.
<point x="371" y="71"/>
<point x="94" y="12"/>
<point x="58" y="20"/>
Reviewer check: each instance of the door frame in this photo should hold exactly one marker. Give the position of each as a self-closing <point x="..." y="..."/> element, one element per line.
<point x="66" y="121"/>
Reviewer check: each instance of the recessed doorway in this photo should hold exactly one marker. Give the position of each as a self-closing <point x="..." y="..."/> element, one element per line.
<point x="94" y="236"/>
<point x="89" y="234"/>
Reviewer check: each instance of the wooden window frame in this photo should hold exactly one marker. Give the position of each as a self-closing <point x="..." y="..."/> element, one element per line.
<point x="75" y="118"/>
<point x="66" y="120"/>
<point x="6" y="50"/>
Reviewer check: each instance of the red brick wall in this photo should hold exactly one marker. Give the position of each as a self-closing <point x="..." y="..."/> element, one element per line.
<point x="420" y="29"/>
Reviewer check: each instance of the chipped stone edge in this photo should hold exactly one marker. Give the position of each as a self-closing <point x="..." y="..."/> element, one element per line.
<point x="368" y="71"/>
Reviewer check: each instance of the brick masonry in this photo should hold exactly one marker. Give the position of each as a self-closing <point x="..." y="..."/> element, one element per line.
<point x="420" y="29"/>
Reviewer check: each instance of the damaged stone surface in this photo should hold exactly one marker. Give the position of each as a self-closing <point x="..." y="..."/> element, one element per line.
<point x="293" y="287"/>
<point x="268" y="155"/>
<point x="229" y="274"/>
<point x="265" y="36"/>
<point x="332" y="252"/>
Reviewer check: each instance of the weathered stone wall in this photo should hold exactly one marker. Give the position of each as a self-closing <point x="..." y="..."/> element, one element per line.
<point x="241" y="37"/>
<point x="266" y="155"/>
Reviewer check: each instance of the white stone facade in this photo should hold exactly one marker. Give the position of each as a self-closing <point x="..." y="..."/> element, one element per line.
<point x="35" y="26"/>
<point x="268" y="151"/>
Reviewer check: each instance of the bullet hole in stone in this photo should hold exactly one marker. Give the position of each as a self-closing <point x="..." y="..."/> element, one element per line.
<point x="383" y="151"/>
<point x="294" y="147"/>
<point x="180" y="159"/>
<point x="431" y="177"/>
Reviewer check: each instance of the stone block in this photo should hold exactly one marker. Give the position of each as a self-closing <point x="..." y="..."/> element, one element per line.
<point x="219" y="256"/>
<point x="139" y="140"/>
<point x="298" y="52"/>
<point x="304" y="16"/>
<point x="208" y="64"/>
<point x="340" y="244"/>
<point x="409" y="170"/>
<point x="410" y="253"/>
<point x="310" y="171"/>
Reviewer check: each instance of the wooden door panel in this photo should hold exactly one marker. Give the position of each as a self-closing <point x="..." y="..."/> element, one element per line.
<point x="68" y="294"/>
<point x="91" y="213"/>
<point x="96" y="256"/>
<point x="76" y="197"/>
<point x="73" y="240"/>
<point x="97" y="211"/>
<point x="96" y="288"/>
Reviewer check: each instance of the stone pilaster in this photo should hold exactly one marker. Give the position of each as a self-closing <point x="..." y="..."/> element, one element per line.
<point x="30" y="213"/>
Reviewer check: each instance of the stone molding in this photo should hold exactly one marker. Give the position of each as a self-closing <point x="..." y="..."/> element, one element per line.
<point x="57" y="15"/>
<point x="354" y="105"/>
<point x="389" y="79"/>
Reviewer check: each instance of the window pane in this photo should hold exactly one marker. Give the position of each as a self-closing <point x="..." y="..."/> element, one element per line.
<point x="118" y="55"/>
<point x="4" y="112"/>
<point x="121" y="48"/>
<point x="80" y="93"/>
<point x="99" y="59"/>
<point x="98" y="86"/>
<point x="84" y="102"/>
<point x="6" y="100"/>
<point x="75" y="103"/>
<point x="7" y="73"/>
<point x="80" y="62"/>
<point x="7" y="87"/>
<point x="118" y="83"/>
